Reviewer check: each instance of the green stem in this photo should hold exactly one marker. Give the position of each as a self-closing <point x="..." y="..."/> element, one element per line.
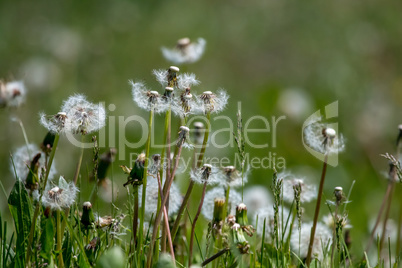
<point x="38" y="205"/>
<point x="77" y="170"/>
<point x="191" y="185"/>
<point x="317" y="211"/>
<point x="59" y="239"/>
<point x="144" y="184"/>
<point x="227" y="208"/>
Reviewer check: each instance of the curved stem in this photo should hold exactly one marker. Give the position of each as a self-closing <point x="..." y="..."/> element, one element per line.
<point x="194" y="223"/>
<point x="317" y="211"/>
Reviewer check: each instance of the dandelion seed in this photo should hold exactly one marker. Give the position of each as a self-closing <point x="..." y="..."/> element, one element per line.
<point x="82" y="116"/>
<point x="231" y="177"/>
<point x="12" y="94"/>
<point x="61" y="196"/>
<point x="145" y="98"/>
<point x="322" y="240"/>
<point x="256" y="197"/>
<point x="308" y="191"/>
<point x="218" y="192"/>
<point x="151" y="198"/>
<point x="185" y="51"/>
<point x="22" y="158"/>
<point x="187" y="80"/>
<point x="54" y="123"/>
<point x="322" y="138"/>
<point x="207" y="174"/>
<point x="212" y="103"/>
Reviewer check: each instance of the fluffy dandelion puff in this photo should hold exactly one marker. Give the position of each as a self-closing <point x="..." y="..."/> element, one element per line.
<point x="213" y="103"/>
<point x="231" y="177"/>
<point x="322" y="138"/>
<point x="83" y="116"/>
<point x="145" y="98"/>
<point x="22" y="158"/>
<point x="308" y="191"/>
<point x="208" y="173"/>
<point x="185" y="51"/>
<point x="268" y="214"/>
<point x="210" y="196"/>
<point x="322" y="240"/>
<point x="151" y="198"/>
<point x="54" y="123"/>
<point x="187" y="80"/>
<point x="256" y="197"/>
<point x="60" y="196"/>
<point x="12" y="94"/>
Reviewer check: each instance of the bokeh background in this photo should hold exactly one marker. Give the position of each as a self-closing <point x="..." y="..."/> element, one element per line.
<point x="277" y="57"/>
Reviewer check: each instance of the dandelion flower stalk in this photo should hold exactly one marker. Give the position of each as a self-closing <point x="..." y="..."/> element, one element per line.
<point x="191" y="185"/>
<point x="339" y="197"/>
<point x="59" y="239"/>
<point x="38" y="205"/>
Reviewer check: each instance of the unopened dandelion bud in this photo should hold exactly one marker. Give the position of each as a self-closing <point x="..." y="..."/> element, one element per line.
<point x="219" y="209"/>
<point x="338" y="192"/>
<point x="137" y="172"/>
<point x="32" y="180"/>
<point x="47" y="143"/>
<point x="238" y="239"/>
<point x="241" y="214"/>
<point x="87" y="218"/>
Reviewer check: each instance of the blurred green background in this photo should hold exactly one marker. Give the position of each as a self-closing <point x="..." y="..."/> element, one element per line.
<point x="276" y="57"/>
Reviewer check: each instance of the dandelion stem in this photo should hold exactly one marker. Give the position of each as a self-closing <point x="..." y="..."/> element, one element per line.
<point x="194" y="223"/>
<point x="38" y="205"/>
<point x="144" y="182"/>
<point x="317" y="211"/>
<point x="135" y="216"/>
<point x="191" y="185"/>
<point x="334" y="234"/>
<point x="59" y="239"/>
<point x="158" y="218"/>
<point x="384" y="226"/>
<point x="77" y="170"/>
<point x="227" y="208"/>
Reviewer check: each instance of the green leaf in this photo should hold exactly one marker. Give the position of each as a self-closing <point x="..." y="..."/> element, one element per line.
<point x="67" y="250"/>
<point x="47" y="238"/>
<point x="21" y="209"/>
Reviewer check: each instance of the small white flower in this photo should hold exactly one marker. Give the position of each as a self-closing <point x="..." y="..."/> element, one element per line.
<point x="231" y="177"/>
<point x="256" y="197"/>
<point x="308" y="191"/>
<point x="218" y="192"/>
<point x="54" y="123"/>
<point x="322" y="240"/>
<point x="208" y="173"/>
<point x="12" y="94"/>
<point x="61" y="196"/>
<point x="268" y="214"/>
<point x="185" y="51"/>
<point x="82" y="116"/>
<point x="145" y="98"/>
<point x="151" y="198"/>
<point x="322" y="138"/>
<point x="22" y="158"/>
<point x="213" y="103"/>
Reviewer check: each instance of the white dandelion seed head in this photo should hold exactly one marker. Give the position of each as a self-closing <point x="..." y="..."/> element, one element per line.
<point x="187" y="80"/>
<point x="12" y="94"/>
<point x="256" y="197"/>
<point x="60" y="196"/>
<point x="391" y="229"/>
<point x="213" y="103"/>
<point x="185" y="51"/>
<point x="83" y="116"/>
<point x="22" y="158"/>
<point x="151" y="198"/>
<point x="231" y="177"/>
<point x="308" y="191"/>
<point x="145" y="98"/>
<point x="322" y="239"/>
<point x="199" y="175"/>
<point x="322" y="138"/>
<point x="54" y="123"/>
<point x="161" y="76"/>
<point x="268" y="214"/>
<point x="218" y="192"/>
<point x="185" y="103"/>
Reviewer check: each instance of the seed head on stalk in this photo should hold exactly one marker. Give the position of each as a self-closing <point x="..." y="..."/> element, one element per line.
<point x="185" y="51"/>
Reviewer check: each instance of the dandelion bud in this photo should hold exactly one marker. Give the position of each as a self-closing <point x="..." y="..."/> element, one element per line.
<point x="168" y="92"/>
<point x="219" y="209"/>
<point x="87" y="218"/>
<point x="330" y="133"/>
<point x="32" y="180"/>
<point x="47" y="143"/>
<point x="172" y="76"/>
<point x="238" y="239"/>
<point x="198" y="132"/>
<point x="241" y="218"/>
<point x="137" y="172"/>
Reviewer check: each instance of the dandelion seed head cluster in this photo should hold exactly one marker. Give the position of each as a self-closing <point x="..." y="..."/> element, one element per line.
<point x="59" y="196"/>
<point x="207" y="174"/>
<point x="22" y="158"/>
<point x="185" y="51"/>
<point x="231" y="177"/>
<point x="12" y="94"/>
<point x="213" y="103"/>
